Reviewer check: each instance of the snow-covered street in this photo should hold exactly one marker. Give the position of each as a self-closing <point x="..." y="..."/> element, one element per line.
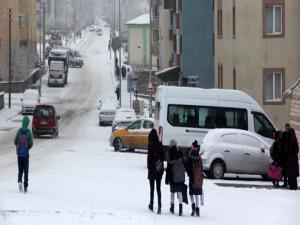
<point x="79" y="179"/>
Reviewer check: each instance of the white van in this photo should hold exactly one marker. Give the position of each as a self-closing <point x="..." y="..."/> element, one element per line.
<point x="187" y="114"/>
<point x="107" y="113"/>
<point x="30" y="99"/>
<point x="56" y="74"/>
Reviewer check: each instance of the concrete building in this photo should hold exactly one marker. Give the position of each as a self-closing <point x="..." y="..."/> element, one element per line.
<point x="257" y="50"/>
<point x="23" y="38"/>
<point x="138" y="42"/>
<point x="190" y="27"/>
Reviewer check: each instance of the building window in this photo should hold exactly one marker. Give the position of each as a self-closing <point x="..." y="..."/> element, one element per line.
<point x="233" y="19"/>
<point x="220" y="20"/>
<point x="274" y="18"/>
<point x="273" y="85"/>
<point x="220" y="75"/>
<point x="234" y="78"/>
<point x="21" y="21"/>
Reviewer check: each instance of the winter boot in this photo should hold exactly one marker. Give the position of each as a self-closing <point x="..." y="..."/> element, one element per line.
<point x="197" y="211"/>
<point x="193" y="209"/>
<point x="150" y="206"/>
<point x="159" y="210"/>
<point x="25" y="190"/>
<point x="180" y="209"/>
<point x="20" y="186"/>
<point x="172" y="208"/>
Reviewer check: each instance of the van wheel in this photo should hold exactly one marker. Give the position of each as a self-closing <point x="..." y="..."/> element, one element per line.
<point x="117" y="144"/>
<point x="217" y="169"/>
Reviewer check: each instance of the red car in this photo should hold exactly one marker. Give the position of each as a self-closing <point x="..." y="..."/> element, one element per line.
<point x="45" y="121"/>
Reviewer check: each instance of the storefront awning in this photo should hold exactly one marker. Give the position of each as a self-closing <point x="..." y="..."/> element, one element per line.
<point x="169" y="74"/>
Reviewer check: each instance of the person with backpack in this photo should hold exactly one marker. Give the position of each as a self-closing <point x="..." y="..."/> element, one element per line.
<point x="155" y="165"/>
<point x="195" y="173"/>
<point x="175" y="176"/>
<point x="23" y="142"/>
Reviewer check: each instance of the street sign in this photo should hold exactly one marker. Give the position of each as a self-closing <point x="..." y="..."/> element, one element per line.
<point x="150" y="87"/>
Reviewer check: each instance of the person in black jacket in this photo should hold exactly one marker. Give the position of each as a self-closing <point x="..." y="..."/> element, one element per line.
<point x="283" y="141"/>
<point x="277" y="154"/>
<point x="292" y="159"/>
<point x="155" y="167"/>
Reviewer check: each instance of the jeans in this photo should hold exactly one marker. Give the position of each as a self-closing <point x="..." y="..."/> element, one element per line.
<point x="158" y="182"/>
<point x="23" y="165"/>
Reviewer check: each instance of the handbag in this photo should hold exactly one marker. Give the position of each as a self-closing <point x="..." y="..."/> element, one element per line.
<point x="275" y="172"/>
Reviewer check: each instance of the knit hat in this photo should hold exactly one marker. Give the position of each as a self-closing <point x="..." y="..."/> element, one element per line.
<point x="195" y="144"/>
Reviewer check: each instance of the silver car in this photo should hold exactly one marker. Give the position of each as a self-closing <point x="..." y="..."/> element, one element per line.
<point x="107" y="113"/>
<point x="234" y="151"/>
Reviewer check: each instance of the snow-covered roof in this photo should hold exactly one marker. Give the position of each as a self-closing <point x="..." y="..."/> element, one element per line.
<point x="143" y="19"/>
<point x="290" y="90"/>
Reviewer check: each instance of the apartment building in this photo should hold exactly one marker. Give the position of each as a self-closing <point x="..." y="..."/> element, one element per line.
<point x="190" y="28"/>
<point x="4" y="27"/>
<point x="257" y="50"/>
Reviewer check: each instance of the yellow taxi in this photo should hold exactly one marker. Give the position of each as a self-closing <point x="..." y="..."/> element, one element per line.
<point x="134" y="136"/>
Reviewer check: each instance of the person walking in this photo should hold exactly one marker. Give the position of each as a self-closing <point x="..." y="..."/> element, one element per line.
<point x="155" y="165"/>
<point x="23" y="142"/>
<point x="195" y="173"/>
<point x="292" y="159"/>
<point x="175" y="176"/>
<point x="123" y="71"/>
<point x="283" y="142"/>
<point x="277" y="154"/>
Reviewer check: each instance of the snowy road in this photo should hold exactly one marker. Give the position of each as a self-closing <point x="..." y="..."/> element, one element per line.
<point x="78" y="179"/>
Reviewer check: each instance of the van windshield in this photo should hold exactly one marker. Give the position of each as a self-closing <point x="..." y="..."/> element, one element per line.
<point x="207" y="117"/>
<point x="43" y="112"/>
<point x="262" y="125"/>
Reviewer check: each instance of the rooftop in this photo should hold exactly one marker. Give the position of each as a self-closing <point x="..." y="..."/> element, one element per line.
<point x="143" y="19"/>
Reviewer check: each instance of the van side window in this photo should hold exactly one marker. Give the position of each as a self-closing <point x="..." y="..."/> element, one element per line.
<point x="157" y="110"/>
<point x="207" y="117"/>
<point x="182" y="116"/>
<point x="262" y="125"/>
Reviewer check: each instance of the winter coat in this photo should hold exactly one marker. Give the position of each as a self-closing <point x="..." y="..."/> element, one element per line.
<point x="175" y="170"/>
<point x="194" y="163"/>
<point x="292" y="154"/>
<point x="24" y="130"/>
<point x="277" y="154"/>
<point x="155" y="153"/>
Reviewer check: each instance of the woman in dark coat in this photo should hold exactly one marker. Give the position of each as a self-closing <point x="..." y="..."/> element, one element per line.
<point x="292" y="159"/>
<point x="155" y="167"/>
<point x="277" y="154"/>
<point x="195" y="173"/>
<point x="175" y="174"/>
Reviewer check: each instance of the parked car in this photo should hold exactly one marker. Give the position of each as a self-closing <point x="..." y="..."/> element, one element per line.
<point x="30" y="99"/>
<point x="123" y="117"/>
<point x="134" y="136"/>
<point x="186" y="114"/>
<point x="99" y="32"/>
<point x="76" y="59"/>
<point x="107" y="113"/>
<point x="45" y="121"/>
<point x="234" y="151"/>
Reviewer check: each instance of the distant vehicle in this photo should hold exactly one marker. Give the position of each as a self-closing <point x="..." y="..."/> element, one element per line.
<point x="29" y="100"/>
<point x="134" y="136"/>
<point x="60" y="54"/>
<point x="76" y="59"/>
<point x="45" y="121"/>
<point x="55" y="39"/>
<point x="234" y="151"/>
<point x="99" y="32"/>
<point x="123" y="117"/>
<point x="92" y="28"/>
<point x="186" y="114"/>
<point x="107" y="113"/>
<point x="56" y="74"/>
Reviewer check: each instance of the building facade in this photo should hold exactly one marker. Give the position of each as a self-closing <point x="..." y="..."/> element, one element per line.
<point x="186" y="26"/>
<point x="23" y="38"/>
<point x="256" y="50"/>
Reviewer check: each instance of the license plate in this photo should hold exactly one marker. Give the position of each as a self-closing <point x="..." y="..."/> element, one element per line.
<point x="43" y="123"/>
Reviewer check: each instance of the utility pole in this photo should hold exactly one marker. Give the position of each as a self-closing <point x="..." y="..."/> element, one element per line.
<point x="41" y="57"/>
<point x="9" y="56"/>
<point x="150" y="58"/>
<point x="120" y="54"/>
<point x="44" y="31"/>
